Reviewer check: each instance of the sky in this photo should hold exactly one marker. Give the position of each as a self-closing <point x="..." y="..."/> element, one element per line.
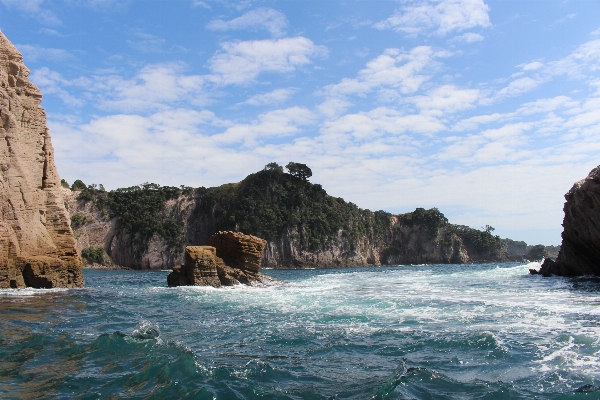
<point x="487" y="110"/>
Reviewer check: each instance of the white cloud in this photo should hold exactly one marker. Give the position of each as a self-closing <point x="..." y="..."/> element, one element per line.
<point x="156" y="86"/>
<point x="274" y="124"/>
<point x="547" y="105"/>
<point x="242" y="62"/>
<point x="469" y="37"/>
<point x="447" y="99"/>
<point x="440" y="17"/>
<point x="582" y="62"/>
<point x="153" y="87"/>
<point x="473" y="123"/>
<point x="394" y="69"/>
<point x="276" y="96"/>
<point x="146" y="43"/>
<point x="262" y="18"/>
<point x="52" y="83"/>
<point x="33" y="8"/>
<point x="519" y="86"/>
<point x="379" y="122"/>
<point x="532" y="66"/>
<point x="200" y="3"/>
<point x="35" y="53"/>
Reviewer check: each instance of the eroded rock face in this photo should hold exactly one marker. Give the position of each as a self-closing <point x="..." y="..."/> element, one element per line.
<point x="37" y="247"/>
<point x="580" y="250"/>
<point x="240" y="251"/>
<point x="230" y="259"/>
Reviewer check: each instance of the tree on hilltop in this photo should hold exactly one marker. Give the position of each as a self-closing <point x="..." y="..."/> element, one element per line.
<point x="273" y="166"/>
<point x="299" y="170"/>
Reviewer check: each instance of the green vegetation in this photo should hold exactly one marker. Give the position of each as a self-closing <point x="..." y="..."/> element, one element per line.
<point x="93" y="255"/>
<point x="482" y="241"/>
<point x="77" y="221"/>
<point x="536" y="252"/>
<point x="270" y="202"/>
<point x="140" y="209"/>
<point x="78" y="185"/>
<point x="431" y="219"/>
<point x="300" y="171"/>
<point x="64" y="184"/>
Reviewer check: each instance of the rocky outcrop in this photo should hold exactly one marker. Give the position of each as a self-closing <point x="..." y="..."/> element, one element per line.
<point x="37" y="247"/>
<point x="230" y="258"/>
<point x="580" y="250"/>
<point x="240" y="251"/>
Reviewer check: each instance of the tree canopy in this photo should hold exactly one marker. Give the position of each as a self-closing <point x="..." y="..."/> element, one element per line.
<point x="299" y="170"/>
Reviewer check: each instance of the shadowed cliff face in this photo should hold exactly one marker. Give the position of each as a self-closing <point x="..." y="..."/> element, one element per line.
<point x="580" y="248"/>
<point x="37" y="247"/>
<point x="303" y="226"/>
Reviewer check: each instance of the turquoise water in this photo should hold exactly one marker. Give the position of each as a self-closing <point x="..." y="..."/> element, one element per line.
<point x="488" y="331"/>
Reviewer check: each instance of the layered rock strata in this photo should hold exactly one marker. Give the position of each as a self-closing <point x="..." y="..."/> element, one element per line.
<point x="37" y="247"/>
<point x="230" y="259"/>
<point x="580" y="249"/>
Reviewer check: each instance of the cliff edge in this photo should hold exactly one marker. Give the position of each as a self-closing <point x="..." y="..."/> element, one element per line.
<point x="37" y="248"/>
<point x="580" y="250"/>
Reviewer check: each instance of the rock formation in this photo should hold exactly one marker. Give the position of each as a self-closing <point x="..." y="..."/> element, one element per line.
<point x="37" y="247"/>
<point x="230" y="258"/>
<point x="580" y="250"/>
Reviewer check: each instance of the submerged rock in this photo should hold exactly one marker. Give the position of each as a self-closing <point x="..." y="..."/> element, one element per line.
<point x="37" y="248"/>
<point x="230" y="259"/>
<point x="580" y="250"/>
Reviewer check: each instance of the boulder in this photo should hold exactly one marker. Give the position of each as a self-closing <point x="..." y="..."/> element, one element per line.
<point x="580" y="249"/>
<point x="230" y="258"/>
<point x="37" y="247"/>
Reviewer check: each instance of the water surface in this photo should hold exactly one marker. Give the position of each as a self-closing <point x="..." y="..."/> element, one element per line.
<point x="488" y="331"/>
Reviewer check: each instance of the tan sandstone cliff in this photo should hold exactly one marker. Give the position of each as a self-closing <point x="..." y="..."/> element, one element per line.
<point x="37" y="247"/>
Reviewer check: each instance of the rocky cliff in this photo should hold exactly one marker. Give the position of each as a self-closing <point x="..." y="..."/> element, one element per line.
<point x="580" y="249"/>
<point x="304" y="227"/>
<point x="37" y="247"/>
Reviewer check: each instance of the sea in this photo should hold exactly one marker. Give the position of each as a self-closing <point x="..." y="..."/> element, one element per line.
<point x="486" y="331"/>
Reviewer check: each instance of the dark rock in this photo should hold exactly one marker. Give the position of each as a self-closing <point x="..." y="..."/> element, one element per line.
<point x="580" y="250"/>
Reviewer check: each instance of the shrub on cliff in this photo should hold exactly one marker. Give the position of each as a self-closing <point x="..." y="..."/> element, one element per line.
<point x="93" y="255"/>
<point x="537" y="252"/>
<point x="141" y="211"/>
<point x="77" y="221"/>
<point x="78" y="185"/>
<point x="431" y="219"/>
<point x="483" y="242"/>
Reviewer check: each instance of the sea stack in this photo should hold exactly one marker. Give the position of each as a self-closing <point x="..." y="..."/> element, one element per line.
<point x="37" y="247"/>
<point x="580" y="249"/>
<point x="230" y="258"/>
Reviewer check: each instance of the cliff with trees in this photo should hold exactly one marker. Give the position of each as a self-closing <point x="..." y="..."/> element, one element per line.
<point x="148" y="226"/>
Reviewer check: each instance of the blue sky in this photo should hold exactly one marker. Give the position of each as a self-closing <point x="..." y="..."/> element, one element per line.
<point x="488" y="110"/>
